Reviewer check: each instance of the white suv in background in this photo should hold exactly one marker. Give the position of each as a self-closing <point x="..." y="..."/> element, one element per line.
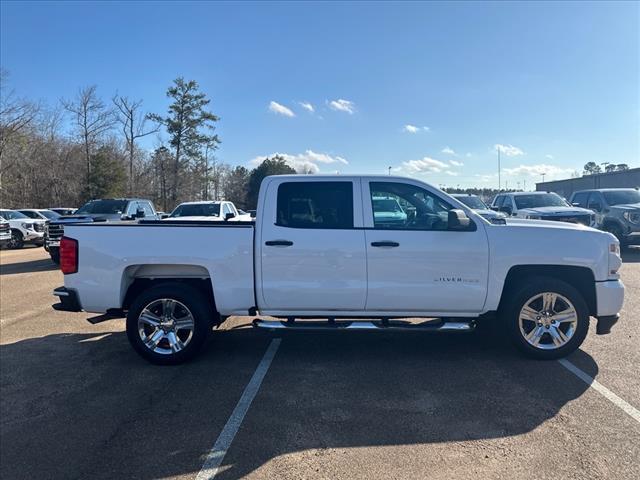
<point x="216" y="211"/>
<point x="541" y="206"/>
<point x="39" y="213"/>
<point x="23" y="229"/>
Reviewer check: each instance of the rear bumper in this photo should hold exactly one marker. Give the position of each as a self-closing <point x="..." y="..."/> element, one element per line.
<point x="69" y="301"/>
<point x="610" y="297"/>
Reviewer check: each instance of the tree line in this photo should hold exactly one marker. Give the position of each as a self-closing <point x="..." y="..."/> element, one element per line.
<point x="87" y="147"/>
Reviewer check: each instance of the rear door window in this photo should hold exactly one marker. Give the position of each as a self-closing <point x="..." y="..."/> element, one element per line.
<point x="315" y="205"/>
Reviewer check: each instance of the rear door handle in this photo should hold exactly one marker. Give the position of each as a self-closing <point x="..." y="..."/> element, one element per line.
<point x="278" y="243"/>
<point x="385" y="244"/>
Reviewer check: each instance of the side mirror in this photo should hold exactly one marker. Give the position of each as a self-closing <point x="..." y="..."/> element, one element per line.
<point x="252" y="213"/>
<point x="164" y="215"/>
<point x="575" y="204"/>
<point x="228" y="216"/>
<point x="596" y="207"/>
<point x="458" y="220"/>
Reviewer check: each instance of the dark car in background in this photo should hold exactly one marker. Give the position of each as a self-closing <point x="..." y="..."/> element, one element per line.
<point x="617" y="211"/>
<point x="102" y="210"/>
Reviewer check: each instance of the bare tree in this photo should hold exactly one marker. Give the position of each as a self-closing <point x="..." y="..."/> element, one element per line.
<point x="16" y="115"/>
<point x="132" y="122"/>
<point x="92" y="120"/>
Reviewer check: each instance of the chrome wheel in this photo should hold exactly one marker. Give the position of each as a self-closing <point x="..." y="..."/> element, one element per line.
<point x="166" y="326"/>
<point x="548" y="321"/>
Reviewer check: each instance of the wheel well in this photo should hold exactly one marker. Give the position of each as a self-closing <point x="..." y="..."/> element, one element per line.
<point x="139" y="285"/>
<point x="581" y="278"/>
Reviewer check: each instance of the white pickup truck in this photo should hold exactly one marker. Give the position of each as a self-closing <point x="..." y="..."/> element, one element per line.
<point x="321" y="250"/>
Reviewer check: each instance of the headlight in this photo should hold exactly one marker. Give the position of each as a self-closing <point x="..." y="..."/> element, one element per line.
<point x="534" y="217"/>
<point x="633" y="217"/>
<point x="27" y="226"/>
<point x="615" y="262"/>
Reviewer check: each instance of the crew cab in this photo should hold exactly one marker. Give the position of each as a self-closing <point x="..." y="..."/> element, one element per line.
<point x="102" y="210"/>
<point x="541" y="206"/>
<point x="617" y="211"/>
<point x="23" y="229"/>
<point x="337" y="262"/>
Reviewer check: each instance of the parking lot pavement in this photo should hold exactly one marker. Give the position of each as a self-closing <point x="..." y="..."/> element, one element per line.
<point x="77" y="402"/>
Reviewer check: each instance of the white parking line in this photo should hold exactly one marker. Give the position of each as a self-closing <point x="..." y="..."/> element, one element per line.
<point x="214" y="458"/>
<point x="602" y="390"/>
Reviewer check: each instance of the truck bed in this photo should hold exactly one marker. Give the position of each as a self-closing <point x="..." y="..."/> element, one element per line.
<point x="121" y="252"/>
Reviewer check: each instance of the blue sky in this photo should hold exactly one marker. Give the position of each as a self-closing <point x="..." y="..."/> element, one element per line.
<point x="429" y="89"/>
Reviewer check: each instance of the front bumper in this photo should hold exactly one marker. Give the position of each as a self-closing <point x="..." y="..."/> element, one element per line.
<point x="34" y="237"/>
<point x="632" y="238"/>
<point x="609" y="297"/>
<point x="69" y="301"/>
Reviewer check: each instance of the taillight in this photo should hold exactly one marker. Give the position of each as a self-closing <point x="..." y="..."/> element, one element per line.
<point x="68" y="255"/>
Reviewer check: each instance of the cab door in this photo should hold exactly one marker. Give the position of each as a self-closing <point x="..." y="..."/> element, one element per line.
<point x="415" y="263"/>
<point x="311" y="246"/>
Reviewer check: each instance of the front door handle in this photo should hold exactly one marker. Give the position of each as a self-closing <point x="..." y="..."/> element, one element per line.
<point x="278" y="243"/>
<point x="385" y="244"/>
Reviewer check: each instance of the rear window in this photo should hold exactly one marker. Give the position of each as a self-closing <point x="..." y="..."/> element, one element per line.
<point x="315" y="205"/>
<point x="103" y="207"/>
<point x="197" y="210"/>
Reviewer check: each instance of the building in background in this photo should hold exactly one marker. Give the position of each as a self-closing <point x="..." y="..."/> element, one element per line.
<point x="625" y="179"/>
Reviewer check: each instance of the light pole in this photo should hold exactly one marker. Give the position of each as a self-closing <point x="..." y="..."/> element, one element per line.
<point x="543" y="174"/>
<point x="499" y="183"/>
<point x="389" y="170"/>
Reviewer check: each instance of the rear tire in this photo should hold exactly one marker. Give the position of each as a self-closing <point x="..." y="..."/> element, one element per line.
<point x="174" y="326"/>
<point x="54" y="253"/>
<point x="546" y="318"/>
<point x="17" y="240"/>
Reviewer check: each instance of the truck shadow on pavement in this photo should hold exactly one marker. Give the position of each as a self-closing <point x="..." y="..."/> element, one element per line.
<point x="79" y="405"/>
<point x="41" y="265"/>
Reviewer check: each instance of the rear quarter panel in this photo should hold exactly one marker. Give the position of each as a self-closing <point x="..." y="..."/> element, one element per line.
<point x="108" y="252"/>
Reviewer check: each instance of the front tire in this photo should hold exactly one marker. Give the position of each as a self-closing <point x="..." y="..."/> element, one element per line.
<point x="17" y="240"/>
<point x="169" y="323"/>
<point x="546" y="318"/>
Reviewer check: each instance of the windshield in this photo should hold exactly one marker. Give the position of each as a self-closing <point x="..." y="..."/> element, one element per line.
<point x="472" y="201"/>
<point x="49" y="214"/>
<point x="622" y="197"/>
<point x="197" y="210"/>
<point x="386" y="205"/>
<point x="103" y="206"/>
<point x="12" y="215"/>
<point x="539" y="200"/>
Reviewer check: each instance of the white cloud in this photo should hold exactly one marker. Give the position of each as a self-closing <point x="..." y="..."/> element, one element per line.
<point x="448" y="151"/>
<point x="306" y="162"/>
<point x="550" y="157"/>
<point x="455" y="163"/>
<point x="425" y="165"/>
<point x="307" y="106"/>
<point x="413" y="129"/>
<point x="343" y="105"/>
<point x="276" y="107"/>
<point x="550" y="171"/>
<point x="508" y="150"/>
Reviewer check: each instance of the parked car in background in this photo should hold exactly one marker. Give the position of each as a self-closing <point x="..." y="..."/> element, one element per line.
<point x="63" y="210"/>
<point x="388" y="210"/>
<point x="539" y="282"/>
<point x="475" y="203"/>
<point x="103" y="210"/>
<point x="210" y="210"/>
<point x="5" y="233"/>
<point x="617" y="211"/>
<point x="245" y="216"/>
<point x="23" y="229"/>
<point x="541" y="206"/>
<point x="39" y="213"/>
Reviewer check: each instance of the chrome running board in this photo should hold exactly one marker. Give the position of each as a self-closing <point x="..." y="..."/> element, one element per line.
<point x="394" y="325"/>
